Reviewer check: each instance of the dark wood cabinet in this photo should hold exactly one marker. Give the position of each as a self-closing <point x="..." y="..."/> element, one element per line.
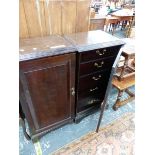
<point x="92" y="77"/>
<point x="47" y="95"/>
<point x="47" y="85"/>
<point x="63" y="79"/>
<point x="97" y="52"/>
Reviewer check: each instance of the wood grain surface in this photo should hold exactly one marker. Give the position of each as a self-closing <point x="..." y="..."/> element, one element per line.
<point x="48" y="17"/>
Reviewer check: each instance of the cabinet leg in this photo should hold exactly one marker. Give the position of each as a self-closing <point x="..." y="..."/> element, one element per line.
<point x="35" y="140"/>
<point x="113" y="28"/>
<point x="106" y="29"/>
<point x="28" y="137"/>
<point x="76" y="121"/>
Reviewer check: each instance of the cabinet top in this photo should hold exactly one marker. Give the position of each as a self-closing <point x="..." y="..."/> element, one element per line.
<point x="39" y="47"/>
<point x="93" y="40"/>
<point x="32" y="48"/>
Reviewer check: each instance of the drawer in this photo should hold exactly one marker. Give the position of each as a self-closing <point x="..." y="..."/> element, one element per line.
<point x="97" y="65"/>
<point x="90" y="82"/>
<point x="99" y="53"/>
<point x="92" y="91"/>
<point x="88" y="101"/>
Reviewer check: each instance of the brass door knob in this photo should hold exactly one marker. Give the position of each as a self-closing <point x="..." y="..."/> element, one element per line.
<point x="73" y="91"/>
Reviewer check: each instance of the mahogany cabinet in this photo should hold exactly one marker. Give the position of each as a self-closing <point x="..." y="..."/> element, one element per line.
<point x="63" y="79"/>
<point x="96" y="53"/>
<point x="47" y="91"/>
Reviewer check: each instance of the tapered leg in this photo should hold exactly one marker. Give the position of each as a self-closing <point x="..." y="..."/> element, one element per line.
<point x="101" y="115"/>
<point x="106" y="29"/>
<point x="113" y="28"/>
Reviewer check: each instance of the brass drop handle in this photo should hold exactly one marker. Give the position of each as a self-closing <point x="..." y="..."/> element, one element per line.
<point x="90" y="102"/>
<point x="97" y="65"/>
<point x="100" y="53"/>
<point x="93" y="89"/>
<point x="93" y="101"/>
<point x="73" y="91"/>
<point x="95" y="78"/>
<point x="104" y="50"/>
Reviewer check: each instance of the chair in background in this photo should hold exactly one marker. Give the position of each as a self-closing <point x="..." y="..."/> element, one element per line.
<point x="125" y="76"/>
<point x="122" y="86"/>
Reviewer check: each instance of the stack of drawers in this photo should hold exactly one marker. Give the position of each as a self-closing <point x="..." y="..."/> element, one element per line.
<point x="96" y="53"/>
<point x="94" y="69"/>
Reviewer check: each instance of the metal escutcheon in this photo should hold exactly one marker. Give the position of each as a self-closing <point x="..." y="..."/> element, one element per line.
<point x="73" y="91"/>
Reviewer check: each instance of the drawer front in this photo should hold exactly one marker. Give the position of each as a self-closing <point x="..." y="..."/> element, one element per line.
<point x="86" y="101"/>
<point x="97" y="65"/>
<point x="99" y="53"/>
<point x="93" y="81"/>
<point x="100" y="89"/>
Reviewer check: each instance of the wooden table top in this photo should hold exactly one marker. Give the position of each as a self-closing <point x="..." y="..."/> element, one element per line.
<point x="98" y="17"/>
<point x="93" y="40"/>
<point x="123" y="13"/>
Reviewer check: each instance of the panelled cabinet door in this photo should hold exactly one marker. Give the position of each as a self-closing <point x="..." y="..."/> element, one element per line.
<point x="46" y="95"/>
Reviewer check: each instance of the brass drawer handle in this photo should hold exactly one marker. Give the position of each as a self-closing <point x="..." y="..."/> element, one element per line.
<point x="93" y="89"/>
<point x="93" y="101"/>
<point x="97" y="65"/>
<point x="100" y="53"/>
<point x="104" y="50"/>
<point x="95" y="78"/>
